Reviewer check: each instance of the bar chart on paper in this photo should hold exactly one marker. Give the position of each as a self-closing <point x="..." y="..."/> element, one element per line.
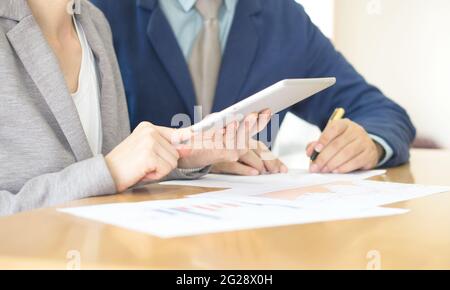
<point x="206" y="209"/>
<point x="194" y="216"/>
<point x="191" y="216"/>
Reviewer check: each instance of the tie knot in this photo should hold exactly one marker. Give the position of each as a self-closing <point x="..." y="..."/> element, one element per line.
<point x="209" y="9"/>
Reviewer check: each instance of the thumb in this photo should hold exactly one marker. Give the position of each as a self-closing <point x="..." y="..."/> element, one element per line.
<point x="184" y="151"/>
<point x="184" y="144"/>
<point x="178" y="137"/>
<point x="175" y="136"/>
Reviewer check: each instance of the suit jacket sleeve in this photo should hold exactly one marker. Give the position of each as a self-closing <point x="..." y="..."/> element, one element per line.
<point x="80" y="180"/>
<point x="364" y="103"/>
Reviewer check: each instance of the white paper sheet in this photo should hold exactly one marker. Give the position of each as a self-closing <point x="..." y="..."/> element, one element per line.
<point x="257" y="207"/>
<point x="294" y="177"/>
<point x="195" y="216"/>
<point x="338" y="194"/>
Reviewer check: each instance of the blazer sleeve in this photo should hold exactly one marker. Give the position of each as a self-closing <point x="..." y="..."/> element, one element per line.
<point x="187" y="174"/>
<point x="80" y="180"/>
<point x="364" y="103"/>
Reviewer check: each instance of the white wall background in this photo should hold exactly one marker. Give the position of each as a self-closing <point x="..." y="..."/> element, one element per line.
<point x="322" y="14"/>
<point x="403" y="46"/>
<point x="290" y="146"/>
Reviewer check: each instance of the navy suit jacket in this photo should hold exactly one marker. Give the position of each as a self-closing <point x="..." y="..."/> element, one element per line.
<point x="270" y="40"/>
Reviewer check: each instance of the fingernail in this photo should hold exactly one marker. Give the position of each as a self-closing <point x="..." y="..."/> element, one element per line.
<point x="319" y="148"/>
<point x="335" y="171"/>
<point x="325" y="170"/>
<point x="254" y="172"/>
<point x="314" y="168"/>
<point x="284" y="169"/>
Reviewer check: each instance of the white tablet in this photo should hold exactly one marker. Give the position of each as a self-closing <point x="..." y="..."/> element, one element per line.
<point x="277" y="98"/>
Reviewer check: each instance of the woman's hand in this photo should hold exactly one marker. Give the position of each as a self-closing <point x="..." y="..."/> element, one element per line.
<point x="146" y="155"/>
<point x="152" y="152"/>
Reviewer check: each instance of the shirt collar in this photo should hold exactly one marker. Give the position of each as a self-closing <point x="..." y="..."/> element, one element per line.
<point x="187" y="5"/>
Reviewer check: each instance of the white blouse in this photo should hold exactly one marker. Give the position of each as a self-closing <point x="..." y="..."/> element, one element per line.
<point x="87" y="97"/>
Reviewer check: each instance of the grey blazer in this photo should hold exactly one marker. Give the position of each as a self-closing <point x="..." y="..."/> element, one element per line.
<point x="45" y="158"/>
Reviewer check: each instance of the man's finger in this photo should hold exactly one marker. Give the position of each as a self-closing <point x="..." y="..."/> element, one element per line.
<point x="331" y="132"/>
<point x="231" y="136"/>
<point x="271" y="162"/>
<point x="275" y="166"/>
<point x="343" y="156"/>
<point x="354" y="164"/>
<point x="244" y="131"/>
<point x="334" y="149"/>
<point x="263" y="120"/>
<point x="253" y="160"/>
<point x="234" y="168"/>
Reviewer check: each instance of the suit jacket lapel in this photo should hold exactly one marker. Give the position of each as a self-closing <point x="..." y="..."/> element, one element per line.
<point x="240" y="52"/>
<point x="166" y="46"/>
<point x="43" y="68"/>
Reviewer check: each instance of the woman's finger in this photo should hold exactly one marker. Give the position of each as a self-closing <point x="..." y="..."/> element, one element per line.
<point x="166" y="144"/>
<point x="162" y="170"/>
<point x="167" y="155"/>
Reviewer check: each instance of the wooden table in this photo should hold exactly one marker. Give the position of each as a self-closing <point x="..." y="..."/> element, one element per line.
<point x="417" y="240"/>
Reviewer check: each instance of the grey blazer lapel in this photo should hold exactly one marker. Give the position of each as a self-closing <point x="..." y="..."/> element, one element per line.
<point x="43" y="67"/>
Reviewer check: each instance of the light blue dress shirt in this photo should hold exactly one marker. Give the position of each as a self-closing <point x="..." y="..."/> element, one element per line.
<point x="187" y="23"/>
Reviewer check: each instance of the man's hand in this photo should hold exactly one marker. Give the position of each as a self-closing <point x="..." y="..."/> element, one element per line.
<point x="259" y="160"/>
<point x="221" y="146"/>
<point x="215" y="151"/>
<point x="344" y="147"/>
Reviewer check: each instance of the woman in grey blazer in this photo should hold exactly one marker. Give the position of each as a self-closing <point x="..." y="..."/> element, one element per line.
<point x="45" y="154"/>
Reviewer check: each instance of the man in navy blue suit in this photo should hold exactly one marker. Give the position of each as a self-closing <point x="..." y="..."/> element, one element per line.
<point x="248" y="45"/>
